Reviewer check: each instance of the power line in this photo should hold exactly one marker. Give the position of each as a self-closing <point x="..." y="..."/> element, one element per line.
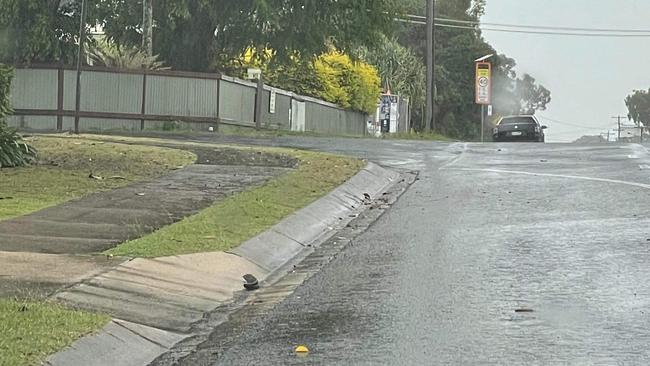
<point x="571" y="124"/>
<point x="557" y="28"/>
<point x="574" y="34"/>
<point x="475" y="28"/>
<point x="605" y="35"/>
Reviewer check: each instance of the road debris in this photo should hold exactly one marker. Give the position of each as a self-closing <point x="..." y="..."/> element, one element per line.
<point x="251" y="282"/>
<point x="524" y="310"/>
<point x="302" y="349"/>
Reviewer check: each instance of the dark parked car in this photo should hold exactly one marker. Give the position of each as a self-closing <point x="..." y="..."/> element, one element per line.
<point x="519" y="128"/>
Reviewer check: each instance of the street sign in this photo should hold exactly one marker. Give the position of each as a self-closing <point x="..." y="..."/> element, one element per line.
<point x="389" y="113"/>
<point x="253" y="74"/>
<point x="272" y="101"/>
<point x="384" y="113"/>
<point x="483" y="83"/>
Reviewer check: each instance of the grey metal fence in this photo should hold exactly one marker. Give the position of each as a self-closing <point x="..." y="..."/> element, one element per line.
<point x="44" y="99"/>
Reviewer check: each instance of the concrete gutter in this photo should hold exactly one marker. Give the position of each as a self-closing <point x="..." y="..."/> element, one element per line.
<point x="156" y="301"/>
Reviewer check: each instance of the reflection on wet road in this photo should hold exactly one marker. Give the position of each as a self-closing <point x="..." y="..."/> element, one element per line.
<point x="505" y="254"/>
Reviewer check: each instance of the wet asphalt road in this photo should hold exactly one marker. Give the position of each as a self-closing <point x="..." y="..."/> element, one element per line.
<point x="509" y="254"/>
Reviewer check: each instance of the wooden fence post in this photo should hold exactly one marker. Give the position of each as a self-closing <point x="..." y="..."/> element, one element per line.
<point x="59" y="98"/>
<point x="143" y="110"/>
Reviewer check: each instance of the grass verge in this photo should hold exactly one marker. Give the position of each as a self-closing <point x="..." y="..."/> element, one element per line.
<point x="228" y="223"/>
<point x="65" y="165"/>
<point x="33" y="330"/>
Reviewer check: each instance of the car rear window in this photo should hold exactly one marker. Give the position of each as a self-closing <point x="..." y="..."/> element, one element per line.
<point x="518" y="121"/>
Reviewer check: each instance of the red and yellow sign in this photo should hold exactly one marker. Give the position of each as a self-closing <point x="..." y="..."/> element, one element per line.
<point x="483" y="83"/>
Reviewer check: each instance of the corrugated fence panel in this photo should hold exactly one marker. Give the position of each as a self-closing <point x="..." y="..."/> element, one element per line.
<point x="171" y="126"/>
<point x="178" y="96"/>
<point x="321" y="118"/>
<point x="181" y="96"/>
<point x="356" y="123"/>
<point x="282" y="116"/>
<point x="237" y="102"/>
<point x="404" y="116"/>
<point x="69" y="89"/>
<point x="32" y="122"/>
<point x="34" y="89"/>
<point x="110" y="92"/>
<point x="101" y="124"/>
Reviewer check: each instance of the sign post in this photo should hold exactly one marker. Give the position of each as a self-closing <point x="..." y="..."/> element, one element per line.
<point x="483" y="88"/>
<point x="389" y="113"/>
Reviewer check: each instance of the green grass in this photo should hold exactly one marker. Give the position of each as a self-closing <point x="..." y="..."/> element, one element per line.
<point x="64" y="167"/>
<point x="30" y="331"/>
<point x="228" y="223"/>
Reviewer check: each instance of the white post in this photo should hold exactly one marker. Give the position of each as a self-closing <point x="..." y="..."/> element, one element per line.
<point x="482" y="123"/>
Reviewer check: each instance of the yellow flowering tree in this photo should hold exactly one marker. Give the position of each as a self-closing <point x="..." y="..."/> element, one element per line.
<point x="334" y="77"/>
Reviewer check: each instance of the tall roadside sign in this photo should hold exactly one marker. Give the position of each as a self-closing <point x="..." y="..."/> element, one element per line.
<point x="483" y="83"/>
<point x="483" y="88"/>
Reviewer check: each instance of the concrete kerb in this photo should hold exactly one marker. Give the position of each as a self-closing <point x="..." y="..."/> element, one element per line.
<point x="167" y="293"/>
<point x="313" y="222"/>
<point x="167" y="282"/>
<point x="269" y="250"/>
<point x="121" y="342"/>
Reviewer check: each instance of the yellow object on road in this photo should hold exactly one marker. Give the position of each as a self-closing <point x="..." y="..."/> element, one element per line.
<point x="302" y="349"/>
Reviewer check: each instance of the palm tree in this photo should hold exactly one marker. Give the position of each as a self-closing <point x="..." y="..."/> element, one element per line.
<point x="109" y="54"/>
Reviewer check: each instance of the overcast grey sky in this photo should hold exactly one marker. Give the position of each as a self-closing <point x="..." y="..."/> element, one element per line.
<point x="588" y="77"/>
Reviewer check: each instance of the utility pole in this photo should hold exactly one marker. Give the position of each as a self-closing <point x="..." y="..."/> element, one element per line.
<point x="259" y="102"/>
<point x="147" y="27"/>
<point x="80" y="55"/>
<point x="618" y="118"/>
<point x="429" y="118"/>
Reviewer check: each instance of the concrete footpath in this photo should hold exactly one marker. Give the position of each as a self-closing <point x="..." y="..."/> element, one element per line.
<point x="156" y="302"/>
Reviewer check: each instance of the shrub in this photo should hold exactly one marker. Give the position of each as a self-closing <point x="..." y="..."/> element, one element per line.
<point x="334" y="77"/>
<point x="13" y="150"/>
<point x="334" y="71"/>
<point x="109" y="54"/>
<point x="6" y="75"/>
<point x="348" y="83"/>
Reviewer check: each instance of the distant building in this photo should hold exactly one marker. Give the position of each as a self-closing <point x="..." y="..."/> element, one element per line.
<point x="630" y="130"/>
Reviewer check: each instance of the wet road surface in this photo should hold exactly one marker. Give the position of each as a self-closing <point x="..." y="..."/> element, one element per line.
<point x="500" y="254"/>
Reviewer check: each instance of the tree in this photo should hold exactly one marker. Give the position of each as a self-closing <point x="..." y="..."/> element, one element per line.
<point x="455" y="51"/>
<point x="37" y="31"/>
<point x="638" y="105"/>
<point x="400" y="69"/>
<point x="201" y="35"/>
<point x="531" y="97"/>
<point x="516" y="95"/>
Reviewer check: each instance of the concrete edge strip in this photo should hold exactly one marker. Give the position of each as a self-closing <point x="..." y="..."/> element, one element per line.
<point x="270" y="250"/>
